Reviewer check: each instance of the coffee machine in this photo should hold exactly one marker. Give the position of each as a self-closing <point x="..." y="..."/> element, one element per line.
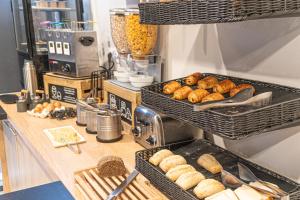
<point x="72" y="51"/>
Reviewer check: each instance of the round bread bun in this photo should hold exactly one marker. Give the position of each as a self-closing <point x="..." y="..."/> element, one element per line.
<point x="50" y="107"/>
<point x="38" y="109"/>
<point x="45" y="104"/>
<point x="39" y="106"/>
<point x="57" y="104"/>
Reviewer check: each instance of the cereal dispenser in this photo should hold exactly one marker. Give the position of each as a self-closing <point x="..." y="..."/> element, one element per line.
<point x="141" y="38"/>
<point x="135" y="44"/>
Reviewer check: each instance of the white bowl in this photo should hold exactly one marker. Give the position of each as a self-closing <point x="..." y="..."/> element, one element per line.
<point x="141" y="80"/>
<point x="123" y="76"/>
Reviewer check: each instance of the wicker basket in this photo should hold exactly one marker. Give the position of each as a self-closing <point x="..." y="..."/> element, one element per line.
<point x="214" y="11"/>
<point x="232" y="122"/>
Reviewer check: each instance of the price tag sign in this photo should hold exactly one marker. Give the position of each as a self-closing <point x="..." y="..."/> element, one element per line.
<point x="61" y="93"/>
<point x="122" y="105"/>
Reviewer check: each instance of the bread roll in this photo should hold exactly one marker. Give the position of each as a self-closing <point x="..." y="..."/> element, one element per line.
<point x="224" y="195"/>
<point x="171" y="161"/>
<point x="208" y="82"/>
<point x="109" y="166"/>
<point x="45" y="104"/>
<point x="213" y="97"/>
<point x="207" y="188"/>
<point x="239" y="88"/>
<point x="196" y="96"/>
<point x="159" y="156"/>
<point x="209" y="163"/>
<point x="171" y="87"/>
<point x="189" y="179"/>
<point x="193" y="79"/>
<point x="182" y="93"/>
<point x="224" y="86"/>
<point x="174" y="173"/>
<point x="247" y="193"/>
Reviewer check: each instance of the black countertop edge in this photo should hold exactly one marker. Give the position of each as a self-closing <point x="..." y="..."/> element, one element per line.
<point x="51" y="191"/>
<point x="3" y="114"/>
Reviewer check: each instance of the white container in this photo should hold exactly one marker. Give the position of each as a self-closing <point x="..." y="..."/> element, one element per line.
<point x="123" y="76"/>
<point x="141" y="80"/>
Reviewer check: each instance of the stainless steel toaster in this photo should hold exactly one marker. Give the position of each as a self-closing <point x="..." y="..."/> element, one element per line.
<point x="153" y="129"/>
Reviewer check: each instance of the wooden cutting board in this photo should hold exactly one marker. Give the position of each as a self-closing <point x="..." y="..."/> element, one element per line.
<point x="92" y="187"/>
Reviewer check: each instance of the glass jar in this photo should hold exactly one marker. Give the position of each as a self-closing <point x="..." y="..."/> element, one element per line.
<point x="117" y="21"/>
<point x="141" y="38"/>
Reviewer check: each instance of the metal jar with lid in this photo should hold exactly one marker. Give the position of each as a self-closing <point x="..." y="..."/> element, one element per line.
<point x="91" y="117"/>
<point x="109" y="126"/>
<point x="81" y="109"/>
<point x="117" y="22"/>
<point x="141" y="38"/>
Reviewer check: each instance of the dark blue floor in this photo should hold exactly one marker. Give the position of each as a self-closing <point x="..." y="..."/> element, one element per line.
<point x="51" y="191"/>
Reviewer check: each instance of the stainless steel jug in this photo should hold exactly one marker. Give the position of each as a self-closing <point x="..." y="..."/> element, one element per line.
<point x="30" y="79"/>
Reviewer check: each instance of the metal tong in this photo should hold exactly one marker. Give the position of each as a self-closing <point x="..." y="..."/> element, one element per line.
<point x="232" y="181"/>
<point x="243" y="98"/>
<point x="247" y="175"/>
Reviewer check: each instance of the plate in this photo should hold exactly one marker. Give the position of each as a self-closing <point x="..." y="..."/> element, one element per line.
<point x="59" y="136"/>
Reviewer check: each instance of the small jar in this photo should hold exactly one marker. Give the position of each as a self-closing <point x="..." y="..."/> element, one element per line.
<point x="141" y="38"/>
<point x="117" y="21"/>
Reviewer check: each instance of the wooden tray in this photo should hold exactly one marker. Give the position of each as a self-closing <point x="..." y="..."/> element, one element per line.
<point x="91" y="187"/>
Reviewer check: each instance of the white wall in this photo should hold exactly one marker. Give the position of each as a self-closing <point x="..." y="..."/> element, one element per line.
<point x="267" y="50"/>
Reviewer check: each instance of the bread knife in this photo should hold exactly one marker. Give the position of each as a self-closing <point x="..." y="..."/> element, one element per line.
<point x="123" y="185"/>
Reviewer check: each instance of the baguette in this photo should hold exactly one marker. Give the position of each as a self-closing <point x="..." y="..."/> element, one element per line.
<point x="209" y="163"/>
<point x="171" y="161"/>
<point x="159" y="156"/>
<point x="224" y="195"/>
<point x="247" y="193"/>
<point x="189" y="179"/>
<point x="207" y="188"/>
<point x="174" y="173"/>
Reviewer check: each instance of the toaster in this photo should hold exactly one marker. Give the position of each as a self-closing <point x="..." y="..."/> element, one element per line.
<point x="154" y="129"/>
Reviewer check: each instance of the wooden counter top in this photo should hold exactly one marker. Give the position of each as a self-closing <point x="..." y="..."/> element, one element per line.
<point x="62" y="161"/>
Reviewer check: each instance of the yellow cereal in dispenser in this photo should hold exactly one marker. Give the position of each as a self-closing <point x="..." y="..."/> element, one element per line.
<point x="141" y="38"/>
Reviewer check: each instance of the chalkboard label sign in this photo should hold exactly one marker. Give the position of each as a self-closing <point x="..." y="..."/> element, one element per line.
<point x="62" y="93"/>
<point x="124" y="106"/>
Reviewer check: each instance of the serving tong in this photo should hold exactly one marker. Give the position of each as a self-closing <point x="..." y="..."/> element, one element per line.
<point x="246" y="174"/>
<point x="243" y="98"/>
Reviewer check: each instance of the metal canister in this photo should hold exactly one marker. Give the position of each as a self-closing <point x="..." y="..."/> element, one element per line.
<point x="22" y="104"/>
<point x="109" y="126"/>
<point x="91" y="121"/>
<point x="81" y="107"/>
<point x="30" y="79"/>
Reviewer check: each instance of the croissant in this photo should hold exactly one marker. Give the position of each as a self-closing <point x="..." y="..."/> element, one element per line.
<point x="193" y="79"/>
<point x="208" y="82"/>
<point x="239" y="88"/>
<point x="196" y="96"/>
<point x="224" y="86"/>
<point x="213" y="97"/>
<point x="182" y="93"/>
<point x="171" y="87"/>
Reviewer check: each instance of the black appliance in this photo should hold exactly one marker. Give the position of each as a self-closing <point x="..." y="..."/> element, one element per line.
<point x="30" y="18"/>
